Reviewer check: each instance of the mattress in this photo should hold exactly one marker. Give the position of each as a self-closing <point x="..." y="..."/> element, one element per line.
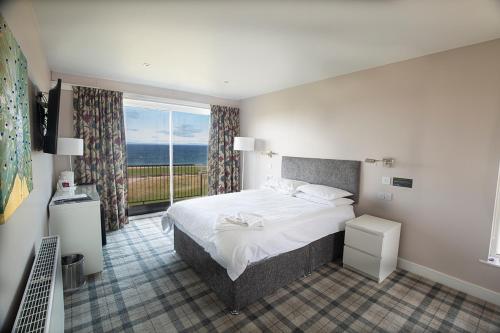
<point x="290" y="223"/>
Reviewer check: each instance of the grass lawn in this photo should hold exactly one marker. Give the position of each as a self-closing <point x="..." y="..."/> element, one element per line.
<point x="163" y="170"/>
<point x="151" y="184"/>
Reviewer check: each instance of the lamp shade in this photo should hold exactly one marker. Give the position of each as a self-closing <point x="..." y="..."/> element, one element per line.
<point x="70" y="146"/>
<point x="244" y="143"/>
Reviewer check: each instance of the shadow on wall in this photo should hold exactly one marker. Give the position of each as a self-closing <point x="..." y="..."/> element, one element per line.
<point x="10" y="315"/>
<point x="260" y="145"/>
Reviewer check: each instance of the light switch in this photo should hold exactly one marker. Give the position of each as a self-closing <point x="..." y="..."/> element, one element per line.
<point x="386" y="180"/>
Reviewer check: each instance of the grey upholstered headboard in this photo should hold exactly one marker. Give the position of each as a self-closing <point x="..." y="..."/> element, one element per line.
<point x="341" y="174"/>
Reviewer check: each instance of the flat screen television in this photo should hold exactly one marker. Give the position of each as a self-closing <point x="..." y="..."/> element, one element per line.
<point x="50" y="138"/>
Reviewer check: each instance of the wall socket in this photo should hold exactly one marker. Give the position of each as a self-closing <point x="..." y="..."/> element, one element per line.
<point x="387" y="196"/>
<point x="386" y="180"/>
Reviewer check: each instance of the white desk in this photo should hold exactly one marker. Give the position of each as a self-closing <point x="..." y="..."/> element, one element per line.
<point x="79" y="226"/>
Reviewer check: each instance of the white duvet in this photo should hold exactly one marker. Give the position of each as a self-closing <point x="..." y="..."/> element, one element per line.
<point x="289" y="223"/>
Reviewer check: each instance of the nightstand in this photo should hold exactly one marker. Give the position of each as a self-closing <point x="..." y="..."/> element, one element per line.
<point x="371" y="246"/>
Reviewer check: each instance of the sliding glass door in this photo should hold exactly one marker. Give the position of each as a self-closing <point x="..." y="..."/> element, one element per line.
<point x="156" y="134"/>
<point x="190" y="153"/>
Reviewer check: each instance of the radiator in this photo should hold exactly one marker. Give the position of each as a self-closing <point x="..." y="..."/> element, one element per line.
<point x="42" y="306"/>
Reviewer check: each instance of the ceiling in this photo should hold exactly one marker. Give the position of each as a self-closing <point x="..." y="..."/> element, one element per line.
<point x="255" y="46"/>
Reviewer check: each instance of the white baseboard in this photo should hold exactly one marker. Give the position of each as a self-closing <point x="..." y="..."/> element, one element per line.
<point x="450" y="281"/>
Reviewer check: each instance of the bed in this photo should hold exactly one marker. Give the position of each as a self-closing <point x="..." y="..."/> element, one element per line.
<point x="243" y="266"/>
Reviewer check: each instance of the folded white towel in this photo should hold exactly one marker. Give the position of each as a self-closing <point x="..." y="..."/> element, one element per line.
<point x="167" y="223"/>
<point x="239" y="221"/>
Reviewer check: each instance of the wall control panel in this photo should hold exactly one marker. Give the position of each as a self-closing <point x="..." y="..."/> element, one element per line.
<point x="402" y="182"/>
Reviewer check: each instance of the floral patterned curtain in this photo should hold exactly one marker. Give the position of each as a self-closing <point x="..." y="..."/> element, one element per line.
<point x="223" y="161"/>
<point x="99" y="121"/>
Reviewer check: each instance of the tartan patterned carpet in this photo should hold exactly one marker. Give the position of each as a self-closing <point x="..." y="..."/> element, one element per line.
<point x="145" y="287"/>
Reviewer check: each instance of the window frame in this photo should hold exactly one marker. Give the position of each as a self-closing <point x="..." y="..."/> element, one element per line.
<point x="170" y="106"/>
<point x="494" y="249"/>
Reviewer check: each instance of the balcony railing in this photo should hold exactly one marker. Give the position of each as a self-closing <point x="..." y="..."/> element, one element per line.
<point x="149" y="185"/>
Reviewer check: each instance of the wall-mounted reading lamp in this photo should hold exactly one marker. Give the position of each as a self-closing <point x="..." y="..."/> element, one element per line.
<point x="387" y="161"/>
<point x="269" y="153"/>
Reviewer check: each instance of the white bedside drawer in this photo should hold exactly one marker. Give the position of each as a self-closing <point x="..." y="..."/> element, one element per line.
<point x="364" y="241"/>
<point x="362" y="262"/>
<point x="371" y="246"/>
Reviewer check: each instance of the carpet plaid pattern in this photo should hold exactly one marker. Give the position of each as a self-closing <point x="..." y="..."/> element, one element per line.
<point x="145" y="287"/>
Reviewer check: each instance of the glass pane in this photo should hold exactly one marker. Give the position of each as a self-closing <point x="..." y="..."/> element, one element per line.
<point x="147" y="135"/>
<point x="190" y="152"/>
<point x="498" y="236"/>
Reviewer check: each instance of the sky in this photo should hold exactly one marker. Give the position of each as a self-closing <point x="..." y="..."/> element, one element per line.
<point x="145" y="125"/>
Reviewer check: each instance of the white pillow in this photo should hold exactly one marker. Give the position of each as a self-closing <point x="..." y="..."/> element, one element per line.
<point x="271" y="183"/>
<point x="283" y="185"/>
<point x="324" y="192"/>
<point x="334" y="203"/>
<point x="289" y="186"/>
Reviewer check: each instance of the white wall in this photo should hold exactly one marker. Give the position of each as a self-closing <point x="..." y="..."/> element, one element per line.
<point x="21" y="233"/>
<point x="438" y="116"/>
<point x="139" y="89"/>
<point x="61" y="163"/>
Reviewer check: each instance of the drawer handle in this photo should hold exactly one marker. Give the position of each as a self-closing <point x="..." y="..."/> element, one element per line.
<point x="371" y="255"/>
<point x="367" y="232"/>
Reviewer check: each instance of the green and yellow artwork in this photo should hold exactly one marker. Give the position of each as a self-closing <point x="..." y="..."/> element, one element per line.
<point x="15" y="143"/>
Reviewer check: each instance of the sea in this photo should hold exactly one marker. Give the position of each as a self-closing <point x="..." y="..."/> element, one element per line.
<point x="158" y="154"/>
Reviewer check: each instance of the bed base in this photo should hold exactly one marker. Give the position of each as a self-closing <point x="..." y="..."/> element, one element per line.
<point x="262" y="278"/>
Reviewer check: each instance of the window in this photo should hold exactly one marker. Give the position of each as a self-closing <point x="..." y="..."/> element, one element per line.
<point x="156" y="134"/>
<point x="495" y="243"/>
<point x="494" y="252"/>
